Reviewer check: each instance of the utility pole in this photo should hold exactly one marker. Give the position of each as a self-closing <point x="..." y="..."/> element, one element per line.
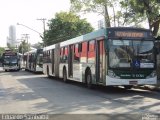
<point x="44" y="23"/>
<point x="44" y="28"/>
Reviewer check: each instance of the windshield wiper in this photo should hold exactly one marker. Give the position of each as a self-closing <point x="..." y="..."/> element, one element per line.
<point x="140" y="46"/>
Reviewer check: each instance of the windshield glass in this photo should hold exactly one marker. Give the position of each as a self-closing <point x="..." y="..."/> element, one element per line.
<point x="131" y="53"/>
<point x="10" y="59"/>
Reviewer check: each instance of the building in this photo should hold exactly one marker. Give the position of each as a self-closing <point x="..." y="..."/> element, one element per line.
<point x="11" y="40"/>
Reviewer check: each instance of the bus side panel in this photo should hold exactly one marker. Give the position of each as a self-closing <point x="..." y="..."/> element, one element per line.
<point x="91" y="59"/>
<point x="100" y="61"/>
<point x="83" y="60"/>
<point x="77" y="66"/>
<point x="105" y="62"/>
<point x="46" y="62"/>
<point x="57" y="59"/>
<point x="61" y="66"/>
<point x="44" y="68"/>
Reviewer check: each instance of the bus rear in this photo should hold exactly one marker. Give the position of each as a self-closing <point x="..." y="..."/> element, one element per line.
<point x="131" y="58"/>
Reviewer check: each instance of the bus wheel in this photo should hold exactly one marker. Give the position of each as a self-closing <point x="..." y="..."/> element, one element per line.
<point x="89" y="79"/>
<point x="64" y="75"/>
<point x="128" y="87"/>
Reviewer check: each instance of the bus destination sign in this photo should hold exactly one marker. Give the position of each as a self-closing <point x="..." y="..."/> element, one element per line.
<point x="129" y="34"/>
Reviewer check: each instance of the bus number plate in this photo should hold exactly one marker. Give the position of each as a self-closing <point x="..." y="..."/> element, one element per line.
<point x="133" y="82"/>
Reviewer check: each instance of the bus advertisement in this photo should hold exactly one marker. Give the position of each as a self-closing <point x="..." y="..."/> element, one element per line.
<point x="10" y="60"/>
<point x="118" y="56"/>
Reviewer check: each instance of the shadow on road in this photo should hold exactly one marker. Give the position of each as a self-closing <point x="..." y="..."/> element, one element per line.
<point x="54" y="96"/>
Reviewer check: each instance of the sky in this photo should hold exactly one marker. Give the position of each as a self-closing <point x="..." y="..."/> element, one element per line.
<point x="27" y="12"/>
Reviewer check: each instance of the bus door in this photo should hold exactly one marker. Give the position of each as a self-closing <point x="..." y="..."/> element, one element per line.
<point x="52" y="61"/>
<point x="99" y="61"/>
<point x="70" y="61"/>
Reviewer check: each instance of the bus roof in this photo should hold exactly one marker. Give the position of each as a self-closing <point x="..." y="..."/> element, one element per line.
<point x="33" y="51"/>
<point x="86" y="37"/>
<point x="49" y="47"/>
<point x="93" y="35"/>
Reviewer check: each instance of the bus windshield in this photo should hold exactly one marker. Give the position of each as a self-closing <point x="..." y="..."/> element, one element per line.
<point x="10" y="59"/>
<point x="131" y="53"/>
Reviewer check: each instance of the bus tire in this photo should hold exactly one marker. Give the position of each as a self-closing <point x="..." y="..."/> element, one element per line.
<point x="64" y="75"/>
<point x="89" y="79"/>
<point x="127" y="87"/>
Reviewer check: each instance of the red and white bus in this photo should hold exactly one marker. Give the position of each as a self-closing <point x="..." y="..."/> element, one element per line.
<point x="119" y="56"/>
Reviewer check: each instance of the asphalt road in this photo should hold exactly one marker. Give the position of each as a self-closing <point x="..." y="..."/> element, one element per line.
<point x="24" y="92"/>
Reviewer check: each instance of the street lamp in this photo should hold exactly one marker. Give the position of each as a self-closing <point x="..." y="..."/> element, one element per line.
<point x="40" y="34"/>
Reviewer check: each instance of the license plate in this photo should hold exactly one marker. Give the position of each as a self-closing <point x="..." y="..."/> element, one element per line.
<point x="133" y="82"/>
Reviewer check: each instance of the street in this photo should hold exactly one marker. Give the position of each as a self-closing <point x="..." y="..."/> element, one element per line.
<point x="24" y="92"/>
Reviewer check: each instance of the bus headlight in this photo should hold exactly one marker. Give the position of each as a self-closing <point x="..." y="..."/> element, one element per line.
<point x="153" y="74"/>
<point x="112" y="74"/>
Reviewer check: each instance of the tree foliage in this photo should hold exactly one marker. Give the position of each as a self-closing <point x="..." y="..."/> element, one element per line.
<point x="65" y="26"/>
<point x="107" y="8"/>
<point x="123" y="12"/>
<point x="23" y="47"/>
<point x="141" y="10"/>
<point x="1" y="50"/>
<point x="11" y="47"/>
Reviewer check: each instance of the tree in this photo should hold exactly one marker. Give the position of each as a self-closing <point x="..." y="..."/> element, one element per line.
<point x="65" y="26"/>
<point x="140" y="10"/>
<point x="24" y="47"/>
<point x="15" y="49"/>
<point x="130" y="12"/>
<point x="101" y="7"/>
<point x="1" y="50"/>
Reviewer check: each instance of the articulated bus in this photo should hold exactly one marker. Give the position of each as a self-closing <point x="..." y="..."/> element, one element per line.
<point x="118" y="56"/>
<point x="34" y="60"/>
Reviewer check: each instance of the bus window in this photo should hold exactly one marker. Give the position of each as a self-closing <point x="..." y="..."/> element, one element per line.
<point x="84" y="52"/>
<point x="80" y="47"/>
<point x="64" y="54"/>
<point x="48" y="53"/>
<point x="91" y="46"/>
<point x="91" y="51"/>
<point x="76" y="54"/>
<point x="65" y="57"/>
<point x="61" y="55"/>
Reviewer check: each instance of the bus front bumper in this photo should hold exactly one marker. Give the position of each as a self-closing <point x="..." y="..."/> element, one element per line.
<point x="117" y="81"/>
<point x="10" y="68"/>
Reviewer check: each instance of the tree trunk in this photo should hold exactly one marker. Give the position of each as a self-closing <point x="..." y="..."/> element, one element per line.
<point x="156" y="27"/>
<point x="106" y="16"/>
